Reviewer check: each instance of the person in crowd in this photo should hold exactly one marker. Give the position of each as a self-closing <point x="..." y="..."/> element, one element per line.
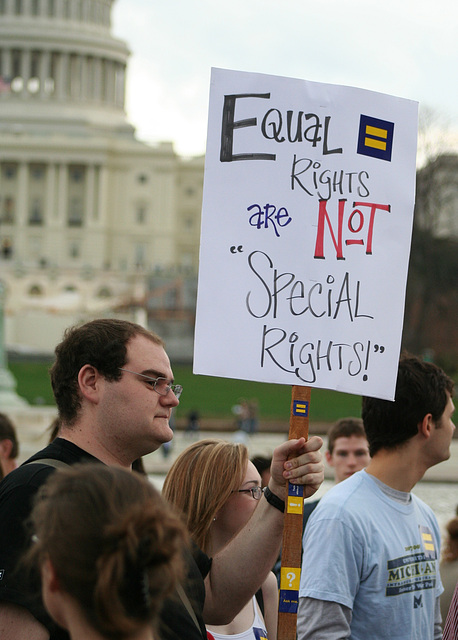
<point x="451" y="622"/>
<point x="114" y="390"/>
<point x="109" y="551"/>
<point x="262" y="464"/>
<point x="216" y="488"/>
<point x="9" y="446"/>
<point x="347" y="452"/>
<point x="371" y="547"/>
<point x="449" y="565"/>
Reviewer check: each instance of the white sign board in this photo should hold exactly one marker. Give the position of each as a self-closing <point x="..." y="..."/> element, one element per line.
<point x="306" y="229"/>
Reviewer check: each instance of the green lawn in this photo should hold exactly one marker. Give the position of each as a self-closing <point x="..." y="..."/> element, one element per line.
<point x="211" y="397"/>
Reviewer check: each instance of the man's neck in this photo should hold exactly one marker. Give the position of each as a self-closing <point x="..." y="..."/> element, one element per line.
<point x="397" y="468"/>
<point x="91" y="445"/>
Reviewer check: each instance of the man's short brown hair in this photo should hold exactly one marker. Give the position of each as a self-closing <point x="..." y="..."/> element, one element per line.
<point x="100" y="343"/>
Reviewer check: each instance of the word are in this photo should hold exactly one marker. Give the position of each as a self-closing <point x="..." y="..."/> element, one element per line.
<point x="358" y="222"/>
<point x="331" y="300"/>
<point x="269" y="215"/>
<point x="316" y="181"/>
<point x="305" y="359"/>
<point x="275" y="125"/>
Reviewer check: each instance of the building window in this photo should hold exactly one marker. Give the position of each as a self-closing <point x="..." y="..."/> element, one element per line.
<point x="18" y="7"/>
<point x="142" y="178"/>
<point x="104" y="292"/>
<point x="74" y="252"/>
<point x="8" y="210"/>
<point x="141" y="216"/>
<point x="140" y="253"/>
<point x="75" y="212"/>
<point x="7" y="248"/>
<point x="37" y="172"/>
<point x="35" y="7"/>
<point x="35" y="290"/>
<point x="9" y="171"/>
<point x="36" y="212"/>
<point x="76" y="174"/>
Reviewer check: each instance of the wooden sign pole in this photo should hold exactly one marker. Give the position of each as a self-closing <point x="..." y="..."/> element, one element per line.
<point x="292" y="532"/>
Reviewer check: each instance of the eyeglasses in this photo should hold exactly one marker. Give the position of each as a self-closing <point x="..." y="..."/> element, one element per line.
<point x="160" y="385"/>
<point x="256" y="492"/>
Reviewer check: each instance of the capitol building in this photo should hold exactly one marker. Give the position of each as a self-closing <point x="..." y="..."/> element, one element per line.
<point x="93" y="221"/>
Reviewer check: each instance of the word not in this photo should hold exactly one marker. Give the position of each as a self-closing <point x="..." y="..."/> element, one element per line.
<point x="316" y="181"/>
<point x="359" y="221"/>
<point x="330" y="300"/>
<point x="306" y="359"/>
<point x="275" y="125"/>
<point x="269" y="215"/>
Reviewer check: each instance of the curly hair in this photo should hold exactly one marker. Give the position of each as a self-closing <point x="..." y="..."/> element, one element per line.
<point x="115" y="545"/>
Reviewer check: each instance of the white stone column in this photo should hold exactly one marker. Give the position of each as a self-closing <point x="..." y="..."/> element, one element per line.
<point x="25" y="69"/>
<point x="6" y="63"/>
<point x="62" y="76"/>
<point x="22" y="194"/>
<point x="62" y="194"/>
<point x="44" y="72"/>
<point x="102" y="195"/>
<point x="97" y="79"/>
<point x="90" y="195"/>
<point x="84" y="74"/>
<point x="50" y="201"/>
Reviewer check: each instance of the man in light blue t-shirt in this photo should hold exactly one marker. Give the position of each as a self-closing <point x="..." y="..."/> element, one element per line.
<point x="371" y="548"/>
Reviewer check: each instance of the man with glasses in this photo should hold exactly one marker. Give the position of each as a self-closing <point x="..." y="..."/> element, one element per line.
<point x="114" y="389"/>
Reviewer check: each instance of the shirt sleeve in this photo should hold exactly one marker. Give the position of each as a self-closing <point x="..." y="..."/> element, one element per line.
<point x="322" y="620"/>
<point x="333" y="562"/>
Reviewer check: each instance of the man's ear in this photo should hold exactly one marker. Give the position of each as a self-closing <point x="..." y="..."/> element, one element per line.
<point x="6" y="446"/>
<point x="88" y="378"/>
<point x="328" y="458"/>
<point x="425" y="427"/>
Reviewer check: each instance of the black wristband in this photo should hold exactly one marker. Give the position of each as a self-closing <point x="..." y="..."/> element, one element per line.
<point x="274" y="500"/>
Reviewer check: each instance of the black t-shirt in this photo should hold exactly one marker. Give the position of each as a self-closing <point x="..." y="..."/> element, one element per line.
<point x="17" y="491"/>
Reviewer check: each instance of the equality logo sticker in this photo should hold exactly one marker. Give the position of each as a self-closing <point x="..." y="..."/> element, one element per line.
<point x="428" y="543"/>
<point x="260" y="634"/>
<point x="375" y="138"/>
<point x="300" y="408"/>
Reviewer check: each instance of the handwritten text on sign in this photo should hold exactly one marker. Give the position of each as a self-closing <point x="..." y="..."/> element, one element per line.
<point x="306" y="226"/>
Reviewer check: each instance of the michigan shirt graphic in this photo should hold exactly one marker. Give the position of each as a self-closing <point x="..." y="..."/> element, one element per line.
<point x="416" y="571"/>
<point x="375" y="138"/>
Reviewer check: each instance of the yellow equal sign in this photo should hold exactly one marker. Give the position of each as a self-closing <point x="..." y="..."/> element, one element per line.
<point x="428" y="541"/>
<point x="377" y="133"/>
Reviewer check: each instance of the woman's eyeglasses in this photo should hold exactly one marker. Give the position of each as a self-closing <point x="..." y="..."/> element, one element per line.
<point x="256" y="492"/>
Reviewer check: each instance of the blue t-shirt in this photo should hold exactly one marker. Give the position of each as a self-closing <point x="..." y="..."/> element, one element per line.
<point x="376" y="555"/>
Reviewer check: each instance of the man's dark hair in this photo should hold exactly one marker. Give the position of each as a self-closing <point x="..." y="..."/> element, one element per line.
<point x="261" y="463"/>
<point x="421" y="388"/>
<point x="345" y="428"/>
<point x="8" y="432"/>
<point x="100" y="343"/>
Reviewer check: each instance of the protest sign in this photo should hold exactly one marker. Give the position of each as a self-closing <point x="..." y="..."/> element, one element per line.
<point x="306" y="228"/>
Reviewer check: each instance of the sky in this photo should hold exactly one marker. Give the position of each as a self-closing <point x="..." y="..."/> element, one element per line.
<point x="406" y="48"/>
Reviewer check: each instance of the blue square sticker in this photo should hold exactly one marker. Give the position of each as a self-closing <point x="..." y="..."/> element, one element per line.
<point x="288" y="601"/>
<point x="300" y="408"/>
<point x="375" y="138"/>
